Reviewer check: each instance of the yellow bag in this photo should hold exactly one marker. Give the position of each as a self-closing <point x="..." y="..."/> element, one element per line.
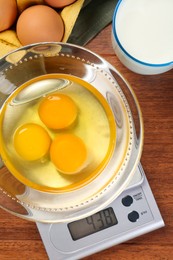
<point x="69" y="14"/>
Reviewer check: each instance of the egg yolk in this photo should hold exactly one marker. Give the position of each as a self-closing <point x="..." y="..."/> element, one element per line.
<point x="57" y="111"/>
<point x="31" y="141"/>
<point x="68" y="153"/>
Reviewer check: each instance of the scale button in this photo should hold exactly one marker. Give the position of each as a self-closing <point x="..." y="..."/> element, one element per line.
<point x="127" y="201"/>
<point x="133" y="216"/>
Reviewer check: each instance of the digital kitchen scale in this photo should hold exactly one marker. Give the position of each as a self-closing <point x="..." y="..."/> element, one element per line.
<point x="132" y="214"/>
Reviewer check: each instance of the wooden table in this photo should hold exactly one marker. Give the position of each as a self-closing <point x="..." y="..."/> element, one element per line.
<point x="19" y="239"/>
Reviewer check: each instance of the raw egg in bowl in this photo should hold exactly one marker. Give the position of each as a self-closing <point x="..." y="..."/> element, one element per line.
<point x="71" y="132"/>
<point x="51" y="144"/>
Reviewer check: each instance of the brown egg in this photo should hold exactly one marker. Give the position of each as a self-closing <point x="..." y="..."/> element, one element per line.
<point x="8" y="14"/>
<point x="59" y="3"/>
<point x="39" y="23"/>
<point x="23" y="4"/>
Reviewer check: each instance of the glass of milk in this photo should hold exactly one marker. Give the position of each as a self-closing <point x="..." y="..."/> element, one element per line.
<point x="142" y="35"/>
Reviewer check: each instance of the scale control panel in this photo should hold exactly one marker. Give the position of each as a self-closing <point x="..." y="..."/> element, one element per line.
<point x="128" y="212"/>
<point x="132" y="214"/>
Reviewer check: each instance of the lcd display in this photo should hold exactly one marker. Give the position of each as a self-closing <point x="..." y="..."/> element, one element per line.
<point x="101" y="220"/>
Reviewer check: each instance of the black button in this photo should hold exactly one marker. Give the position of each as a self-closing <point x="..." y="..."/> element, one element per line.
<point x="133" y="216"/>
<point x="127" y="201"/>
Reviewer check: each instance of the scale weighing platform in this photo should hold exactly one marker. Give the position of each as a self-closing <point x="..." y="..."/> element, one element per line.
<point x="132" y="214"/>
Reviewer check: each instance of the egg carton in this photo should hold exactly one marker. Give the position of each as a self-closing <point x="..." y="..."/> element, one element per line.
<point x="8" y="37"/>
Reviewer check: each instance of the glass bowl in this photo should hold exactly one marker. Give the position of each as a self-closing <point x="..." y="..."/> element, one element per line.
<point x="67" y="62"/>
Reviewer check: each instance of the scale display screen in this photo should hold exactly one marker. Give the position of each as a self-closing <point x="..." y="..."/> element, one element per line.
<point x="84" y="227"/>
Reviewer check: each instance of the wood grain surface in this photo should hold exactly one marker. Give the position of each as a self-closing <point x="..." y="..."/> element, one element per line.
<point x="19" y="239"/>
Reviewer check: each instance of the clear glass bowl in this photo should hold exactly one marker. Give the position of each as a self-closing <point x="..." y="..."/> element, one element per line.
<point x="29" y="62"/>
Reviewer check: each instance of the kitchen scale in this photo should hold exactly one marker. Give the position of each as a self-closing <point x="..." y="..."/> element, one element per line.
<point x="132" y="214"/>
<point x="124" y="210"/>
